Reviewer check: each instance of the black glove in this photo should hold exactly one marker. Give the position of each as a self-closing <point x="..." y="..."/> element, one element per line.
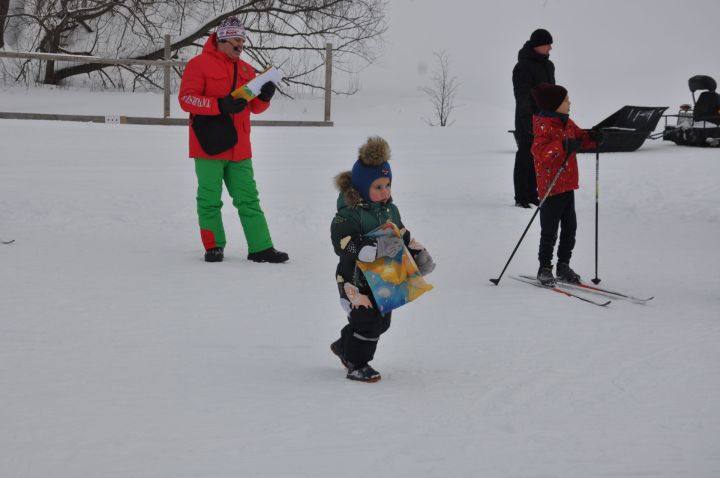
<point x="597" y="135"/>
<point x="267" y="91"/>
<point x="228" y="104"/>
<point x="571" y="145"/>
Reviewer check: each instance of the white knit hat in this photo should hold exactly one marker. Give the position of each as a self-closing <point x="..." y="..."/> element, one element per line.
<point x="231" y="28"/>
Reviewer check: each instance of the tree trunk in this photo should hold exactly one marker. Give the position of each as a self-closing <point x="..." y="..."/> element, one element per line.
<point x="4" y="6"/>
<point x="52" y="45"/>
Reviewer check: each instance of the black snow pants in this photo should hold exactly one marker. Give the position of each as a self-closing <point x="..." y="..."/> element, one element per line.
<point x="524" y="173"/>
<point x="557" y="211"/>
<point x="360" y="336"/>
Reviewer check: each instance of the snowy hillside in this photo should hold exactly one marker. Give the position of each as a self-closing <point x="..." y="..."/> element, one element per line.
<point x="124" y="355"/>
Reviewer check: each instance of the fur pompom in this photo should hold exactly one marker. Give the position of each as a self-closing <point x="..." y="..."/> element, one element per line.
<point x="343" y="182"/>
<point x="374" y="152"/>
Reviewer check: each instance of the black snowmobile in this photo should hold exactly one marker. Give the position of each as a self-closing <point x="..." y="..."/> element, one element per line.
<point x="697" y="125"/>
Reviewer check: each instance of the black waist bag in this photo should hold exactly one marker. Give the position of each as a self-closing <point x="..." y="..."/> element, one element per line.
<point x="216" y="133"/>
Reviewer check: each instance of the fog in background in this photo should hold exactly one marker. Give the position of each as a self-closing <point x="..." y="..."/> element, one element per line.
<point x="607" y="53"/>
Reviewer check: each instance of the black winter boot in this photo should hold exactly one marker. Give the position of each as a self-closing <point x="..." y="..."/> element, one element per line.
<point x="214" y="255"/>
<point x="565" y="274"/>
<point x="545" y="276"/>
<point x="336" y="348"/>
<point x="364" y="373"/>
<point x="268" y="255"/>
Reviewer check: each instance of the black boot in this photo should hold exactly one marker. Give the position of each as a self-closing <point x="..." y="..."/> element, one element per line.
<point x="545" y="276"/>
<point x="364" y="373"/>
<point x="268" y="255"/>
<point x="565" y="274"/>
<point x="336" y="348"/>
<point x="522" y="204"/>
<point x="214" y="255"/>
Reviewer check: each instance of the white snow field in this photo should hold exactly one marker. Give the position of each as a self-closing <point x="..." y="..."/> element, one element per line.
<point x="123" y="354"/>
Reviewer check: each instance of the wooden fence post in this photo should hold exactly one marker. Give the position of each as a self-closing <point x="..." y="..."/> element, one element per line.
<point x="328" y="80"/>
<point x="166" y="77"/>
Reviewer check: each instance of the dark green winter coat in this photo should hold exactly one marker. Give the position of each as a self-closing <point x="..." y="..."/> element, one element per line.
<point x="356" y="217"/>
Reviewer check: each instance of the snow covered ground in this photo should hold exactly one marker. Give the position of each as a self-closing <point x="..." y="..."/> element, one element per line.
<point x="123" y="354"/>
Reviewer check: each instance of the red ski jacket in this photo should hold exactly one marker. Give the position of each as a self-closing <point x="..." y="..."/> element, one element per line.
<point x="208" y="77"/>
<point x="548" y="152"/>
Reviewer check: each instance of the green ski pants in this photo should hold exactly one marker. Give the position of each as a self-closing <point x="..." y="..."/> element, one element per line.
<point x="239" y="179"/>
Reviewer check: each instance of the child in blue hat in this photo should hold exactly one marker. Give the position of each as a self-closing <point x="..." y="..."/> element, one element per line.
<point x="365" y="202"/>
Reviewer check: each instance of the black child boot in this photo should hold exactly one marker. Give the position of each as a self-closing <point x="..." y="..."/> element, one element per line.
<point x="362" y="373"/>
<point x="545" y="276"/>
<point x="336" y="348"/>
<point x="565" y="274"/>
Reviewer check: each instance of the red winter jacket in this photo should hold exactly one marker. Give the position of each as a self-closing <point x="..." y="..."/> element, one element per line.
<point x="208" y="77"/>
<point x="549" y="153"/>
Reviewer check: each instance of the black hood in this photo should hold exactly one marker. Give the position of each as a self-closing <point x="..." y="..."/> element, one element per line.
<point x="528" y="53"/>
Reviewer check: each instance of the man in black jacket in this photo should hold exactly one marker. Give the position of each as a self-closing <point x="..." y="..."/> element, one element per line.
<point x="533" y="67"/>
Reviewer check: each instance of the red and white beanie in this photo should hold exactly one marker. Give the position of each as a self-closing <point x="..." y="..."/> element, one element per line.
<point x="231" y="28"/>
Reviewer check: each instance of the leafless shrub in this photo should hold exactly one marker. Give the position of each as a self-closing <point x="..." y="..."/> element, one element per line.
<point x="442" y="91"/>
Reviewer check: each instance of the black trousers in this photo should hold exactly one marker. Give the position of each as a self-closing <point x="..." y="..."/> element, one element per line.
<point x="524" y="174"/>
<point x="557" y="211"/>
<point x="360" y="336"/>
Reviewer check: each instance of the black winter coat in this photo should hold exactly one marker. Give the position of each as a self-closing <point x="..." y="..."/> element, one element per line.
<point x="530" y="70"/>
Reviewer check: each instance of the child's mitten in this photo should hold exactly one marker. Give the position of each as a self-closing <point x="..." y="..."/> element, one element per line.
<point x="383" y="246"/>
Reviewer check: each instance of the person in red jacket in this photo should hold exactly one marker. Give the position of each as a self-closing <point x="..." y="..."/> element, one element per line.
<point x="220" y="141"/>
<point x="556" y="137"/>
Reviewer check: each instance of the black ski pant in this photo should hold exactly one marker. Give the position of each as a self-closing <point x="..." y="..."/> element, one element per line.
<point x="524" y="173"/>
<point x="557" y="211"/>
<point x="360" y="336"/>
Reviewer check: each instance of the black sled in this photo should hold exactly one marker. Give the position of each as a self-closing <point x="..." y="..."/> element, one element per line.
<point x="626" y="129"/>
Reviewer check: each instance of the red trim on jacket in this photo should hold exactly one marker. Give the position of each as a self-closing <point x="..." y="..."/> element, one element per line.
<point x="208" y="77"/>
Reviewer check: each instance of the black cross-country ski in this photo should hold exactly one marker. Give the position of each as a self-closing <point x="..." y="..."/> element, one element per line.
<point x="7" y="242"/>
<point x="600" y="291"/>
<point x="533" y="281"/>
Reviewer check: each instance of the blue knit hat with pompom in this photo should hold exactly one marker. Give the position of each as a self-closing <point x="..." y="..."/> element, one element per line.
<point x="372" y="164"/>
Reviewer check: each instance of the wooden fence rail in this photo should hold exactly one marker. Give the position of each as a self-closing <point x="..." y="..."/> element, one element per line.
<point x="167" y="64"/>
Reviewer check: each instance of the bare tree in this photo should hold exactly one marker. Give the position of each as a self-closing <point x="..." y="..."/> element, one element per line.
<point x="442" y="90"/>
<point x="292" y="33"/>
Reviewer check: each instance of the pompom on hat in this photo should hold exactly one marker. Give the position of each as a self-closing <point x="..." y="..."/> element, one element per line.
<point x="231" y="28"/>
<point x="548" y="97"/>
<point x="372" y="163"/>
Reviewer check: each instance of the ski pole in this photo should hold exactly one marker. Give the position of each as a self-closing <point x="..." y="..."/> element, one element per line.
<point x="552" y="183"/>
<point x="596" y="280"/>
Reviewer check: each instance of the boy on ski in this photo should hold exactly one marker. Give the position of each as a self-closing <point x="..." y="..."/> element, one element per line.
<point x="556" y="140"/>
<point x="365" y="203"/>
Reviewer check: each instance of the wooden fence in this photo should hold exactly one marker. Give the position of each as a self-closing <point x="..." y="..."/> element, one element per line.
<point x="167" y="63"/>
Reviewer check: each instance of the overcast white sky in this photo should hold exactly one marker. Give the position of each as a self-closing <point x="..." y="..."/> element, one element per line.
<point x="609" y="51"/>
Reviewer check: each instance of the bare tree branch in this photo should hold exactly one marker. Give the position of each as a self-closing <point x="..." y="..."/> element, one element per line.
<point x="288" y="32"/>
